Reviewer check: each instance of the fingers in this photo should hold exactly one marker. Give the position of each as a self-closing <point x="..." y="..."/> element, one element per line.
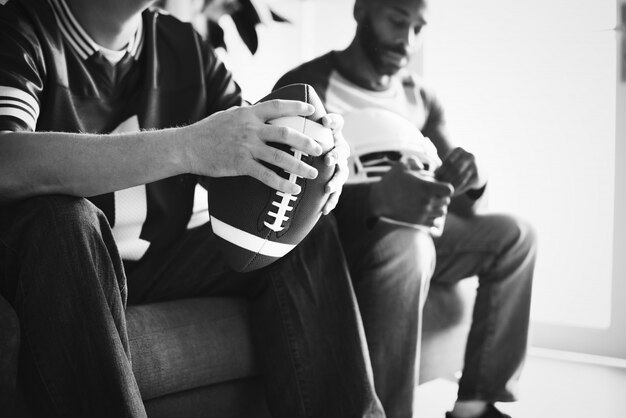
<point x="335" y="186"/>
<point x="333" y="121"/>
<point x="463" y="174"/>
<point x="451" y="162"/>
<point x="459" y="169"/>
<point x="339" y="178"/>
<point x="341" y="149"/>
<point x="271" y="179"/>
<point x="463" y="183"/>
<point x="332" y="201"/>
<point x="291" y="137"/>
<point x="456" y="154"/>
<point x="278" y="108"/>
<point x="443" y="189"/>
<point x="434" y="188"/>
<point x="339" y="154"/>
<point x="286" y="161"/>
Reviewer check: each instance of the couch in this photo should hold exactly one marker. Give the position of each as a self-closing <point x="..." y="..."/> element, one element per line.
<point x="194" y="357"/>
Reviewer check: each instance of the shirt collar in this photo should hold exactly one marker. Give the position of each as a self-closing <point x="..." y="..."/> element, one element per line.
<point x="82" y="43"/>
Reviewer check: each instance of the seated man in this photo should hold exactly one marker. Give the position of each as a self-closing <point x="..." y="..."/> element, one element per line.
<point x="500" y="250"/>
<point x="110" y="114"/>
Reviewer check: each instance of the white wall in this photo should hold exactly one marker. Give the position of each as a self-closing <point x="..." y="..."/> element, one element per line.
<point x="531" y="87"/>
<point x="316" y="27"/>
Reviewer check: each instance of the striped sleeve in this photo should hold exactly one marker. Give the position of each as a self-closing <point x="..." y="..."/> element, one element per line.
<point x="20" y="72"/>
<point x="17" y="107"/>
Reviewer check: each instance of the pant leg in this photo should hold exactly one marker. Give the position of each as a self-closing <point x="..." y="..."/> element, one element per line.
<point x="306" y="326"/>
<point x="501" y="250"/>
<point x="62" y="273"/>
<point x="391" y="267"/>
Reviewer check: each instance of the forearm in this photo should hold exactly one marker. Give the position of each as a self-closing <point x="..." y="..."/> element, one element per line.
<point x="36" y="163"/>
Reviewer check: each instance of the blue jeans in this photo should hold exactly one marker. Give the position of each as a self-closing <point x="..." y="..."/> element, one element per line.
<point x="391" y="269"/>
<point x="61" y="271"/>
<point x="501" y="251"/>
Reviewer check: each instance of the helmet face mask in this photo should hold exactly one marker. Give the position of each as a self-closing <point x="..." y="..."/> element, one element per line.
<point x="379" y="139"/>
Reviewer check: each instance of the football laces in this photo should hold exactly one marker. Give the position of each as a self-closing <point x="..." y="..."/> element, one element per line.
<point x="283" y="202"/>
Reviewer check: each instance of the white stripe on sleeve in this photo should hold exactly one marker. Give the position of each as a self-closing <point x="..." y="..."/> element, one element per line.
<point x="19" y="104"/>
<point x="20" y="114"/>
<point x="7" y="93"/>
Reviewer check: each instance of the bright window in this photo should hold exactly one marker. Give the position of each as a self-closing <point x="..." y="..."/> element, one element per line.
<point x="530" y="86"/>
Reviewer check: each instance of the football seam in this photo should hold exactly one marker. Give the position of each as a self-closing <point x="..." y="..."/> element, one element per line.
<point x="256" y="255"/>
<point x="286" y="202"/>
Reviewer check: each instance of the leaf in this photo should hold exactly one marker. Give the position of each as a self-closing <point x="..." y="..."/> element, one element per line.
<point x="246" y="18"/>
<point x="215" y="34"/>
<point x="278" y="18"/>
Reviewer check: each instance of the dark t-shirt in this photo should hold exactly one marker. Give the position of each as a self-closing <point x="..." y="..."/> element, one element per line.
<point x="53" y="77"/>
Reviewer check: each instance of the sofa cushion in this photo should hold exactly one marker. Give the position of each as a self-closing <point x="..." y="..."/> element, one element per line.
<point x="243" y="398"/>
<point x="182" y="345"/>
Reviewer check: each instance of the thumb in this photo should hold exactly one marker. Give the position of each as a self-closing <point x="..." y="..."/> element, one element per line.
<point x="442" y="189"/>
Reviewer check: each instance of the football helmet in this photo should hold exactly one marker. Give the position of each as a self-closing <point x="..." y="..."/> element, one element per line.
<point x="379" y="138"/>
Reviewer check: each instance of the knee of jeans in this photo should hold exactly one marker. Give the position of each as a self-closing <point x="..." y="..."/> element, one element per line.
<point x="518" y="234"/>
<point x="58" y="215"/>
<point x="57" y="229"/>
<point x="410" y="253"/>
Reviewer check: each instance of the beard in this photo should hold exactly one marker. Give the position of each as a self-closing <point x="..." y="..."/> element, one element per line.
<point x="376" y="50"/>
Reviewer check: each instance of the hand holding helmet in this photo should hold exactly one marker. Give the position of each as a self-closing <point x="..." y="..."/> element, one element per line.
<point x="392" y="153"/>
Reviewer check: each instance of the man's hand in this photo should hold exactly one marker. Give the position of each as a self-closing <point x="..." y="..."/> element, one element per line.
<point x="338" y="157"/>
<point x="459" y="169"/>
<point x="407" y="196"/>
<point x="234" y="142"/>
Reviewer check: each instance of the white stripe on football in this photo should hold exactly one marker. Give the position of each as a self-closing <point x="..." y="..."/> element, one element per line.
<point x="248" y="241"/>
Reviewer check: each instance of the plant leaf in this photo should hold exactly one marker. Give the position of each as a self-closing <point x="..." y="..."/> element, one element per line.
<point x="246" y="19"/>
<point x="278" y="18"/>
<point x="215" y="35"/>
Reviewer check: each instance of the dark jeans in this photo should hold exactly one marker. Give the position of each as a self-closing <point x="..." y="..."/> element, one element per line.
<point x="391" y="268"/>
<point x="61" y="271"/>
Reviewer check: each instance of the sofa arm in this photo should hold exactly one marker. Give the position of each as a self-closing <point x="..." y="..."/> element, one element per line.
<point x="447" y="321"/>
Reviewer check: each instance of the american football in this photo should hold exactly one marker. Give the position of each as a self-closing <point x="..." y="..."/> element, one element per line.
<point x="256" y="224"/>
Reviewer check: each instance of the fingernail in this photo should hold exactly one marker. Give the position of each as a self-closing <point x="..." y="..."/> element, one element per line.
<point x="313" y="173"/>
<point x="296" y="189"/>
<point x="310" y="108"/>
<point x="331" y="159"/>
